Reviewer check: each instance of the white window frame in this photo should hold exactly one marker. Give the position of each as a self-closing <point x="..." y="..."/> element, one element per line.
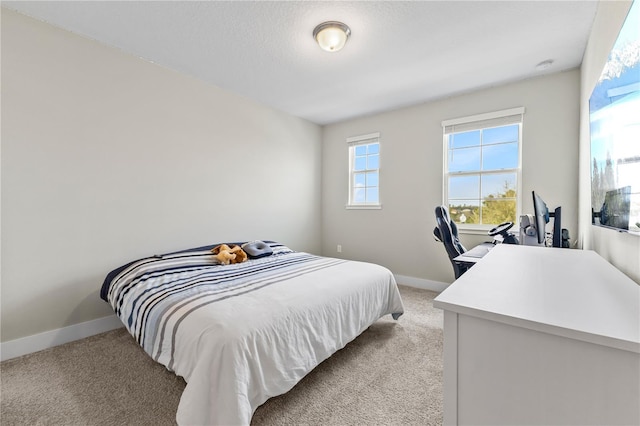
<point x="352" y="143"/>
<point x="478" y="122"/>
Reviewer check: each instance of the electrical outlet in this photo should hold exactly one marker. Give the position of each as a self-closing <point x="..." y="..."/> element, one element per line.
<point x="339" y="248"/>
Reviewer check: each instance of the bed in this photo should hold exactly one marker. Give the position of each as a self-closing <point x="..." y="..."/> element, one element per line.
<point x="240" y="334"/>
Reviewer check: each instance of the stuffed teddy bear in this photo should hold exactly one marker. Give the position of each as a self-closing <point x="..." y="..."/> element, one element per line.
<point x="228" y="255"/>
<point x="223" y="254"/>
<point x="241" y="256"/>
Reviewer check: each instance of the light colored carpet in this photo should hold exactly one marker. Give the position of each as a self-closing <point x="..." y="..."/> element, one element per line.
<point x="391" y="374"/>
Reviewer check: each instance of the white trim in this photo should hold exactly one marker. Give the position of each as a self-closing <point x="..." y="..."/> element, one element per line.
<point x="363" y="206"/>
<point x="476" y="230"/>
<point x="483" y="116"/>
<point x="420" y="283"/>
<point x="353" y="143"/>
<point x="354" y="139"/>
<point x="49" y="339"/>
<point x="482" y="120"/>
<point x="450" y="362"/>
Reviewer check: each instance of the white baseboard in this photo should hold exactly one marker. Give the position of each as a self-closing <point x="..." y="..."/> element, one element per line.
<point x="421" y="283"/>
<point x="49" y="339"/>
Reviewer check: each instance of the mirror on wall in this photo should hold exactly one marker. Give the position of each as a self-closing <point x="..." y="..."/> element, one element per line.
<point x="614" y="115"/>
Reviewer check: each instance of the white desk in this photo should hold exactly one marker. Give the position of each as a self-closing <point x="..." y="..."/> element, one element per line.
<point x="536" y="335"/>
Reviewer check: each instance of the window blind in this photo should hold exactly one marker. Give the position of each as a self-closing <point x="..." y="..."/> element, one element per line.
<point x="483" y="121"/>
<point x="359" y="140"/>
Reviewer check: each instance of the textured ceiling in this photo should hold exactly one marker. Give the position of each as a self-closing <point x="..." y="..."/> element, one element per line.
<point x="399" y="53"/>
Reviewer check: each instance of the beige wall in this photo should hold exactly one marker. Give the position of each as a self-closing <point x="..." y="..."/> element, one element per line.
<point x="400" y="235"/>
<point x="619" y="248"/>
<point x="106" y="158"/>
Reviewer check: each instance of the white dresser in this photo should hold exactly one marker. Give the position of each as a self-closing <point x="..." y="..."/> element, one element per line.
<point x="541" y="336"/>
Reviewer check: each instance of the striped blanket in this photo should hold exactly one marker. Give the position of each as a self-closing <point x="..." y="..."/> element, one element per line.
<point x="240" y="334"/>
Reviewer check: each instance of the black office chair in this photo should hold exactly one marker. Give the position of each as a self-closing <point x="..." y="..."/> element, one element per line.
<point x="446" y="232"/>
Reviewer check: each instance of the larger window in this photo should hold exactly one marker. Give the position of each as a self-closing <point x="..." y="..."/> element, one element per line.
<point x="482" y="168"/>
<point x="364" y="171"/>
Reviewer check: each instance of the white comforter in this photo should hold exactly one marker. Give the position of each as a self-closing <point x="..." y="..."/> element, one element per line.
<point x="244" y="340"/>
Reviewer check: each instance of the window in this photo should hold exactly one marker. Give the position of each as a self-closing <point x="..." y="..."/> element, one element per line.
<point x="364" y="171"/>
<point x="482" y="168"/>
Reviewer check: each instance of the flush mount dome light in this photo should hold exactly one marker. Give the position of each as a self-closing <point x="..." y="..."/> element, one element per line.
<point x="332" y="35"/>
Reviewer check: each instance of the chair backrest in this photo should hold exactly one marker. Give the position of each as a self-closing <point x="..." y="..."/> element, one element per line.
<point x="447" y="232"/>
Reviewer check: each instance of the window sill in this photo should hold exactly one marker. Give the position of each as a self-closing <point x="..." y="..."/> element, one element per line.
<point x="474" y="231"/>
<point x="484" y="230"/>
<point x="363" y="206"/>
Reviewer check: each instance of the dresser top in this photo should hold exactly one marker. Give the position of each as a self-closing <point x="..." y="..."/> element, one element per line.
<point x="571" y="293"/>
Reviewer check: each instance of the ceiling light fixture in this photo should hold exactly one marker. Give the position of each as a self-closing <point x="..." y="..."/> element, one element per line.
<point x="332" y="35"/>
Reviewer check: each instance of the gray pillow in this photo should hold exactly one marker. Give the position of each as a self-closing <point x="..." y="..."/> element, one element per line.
<point x="257" y="249"/>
